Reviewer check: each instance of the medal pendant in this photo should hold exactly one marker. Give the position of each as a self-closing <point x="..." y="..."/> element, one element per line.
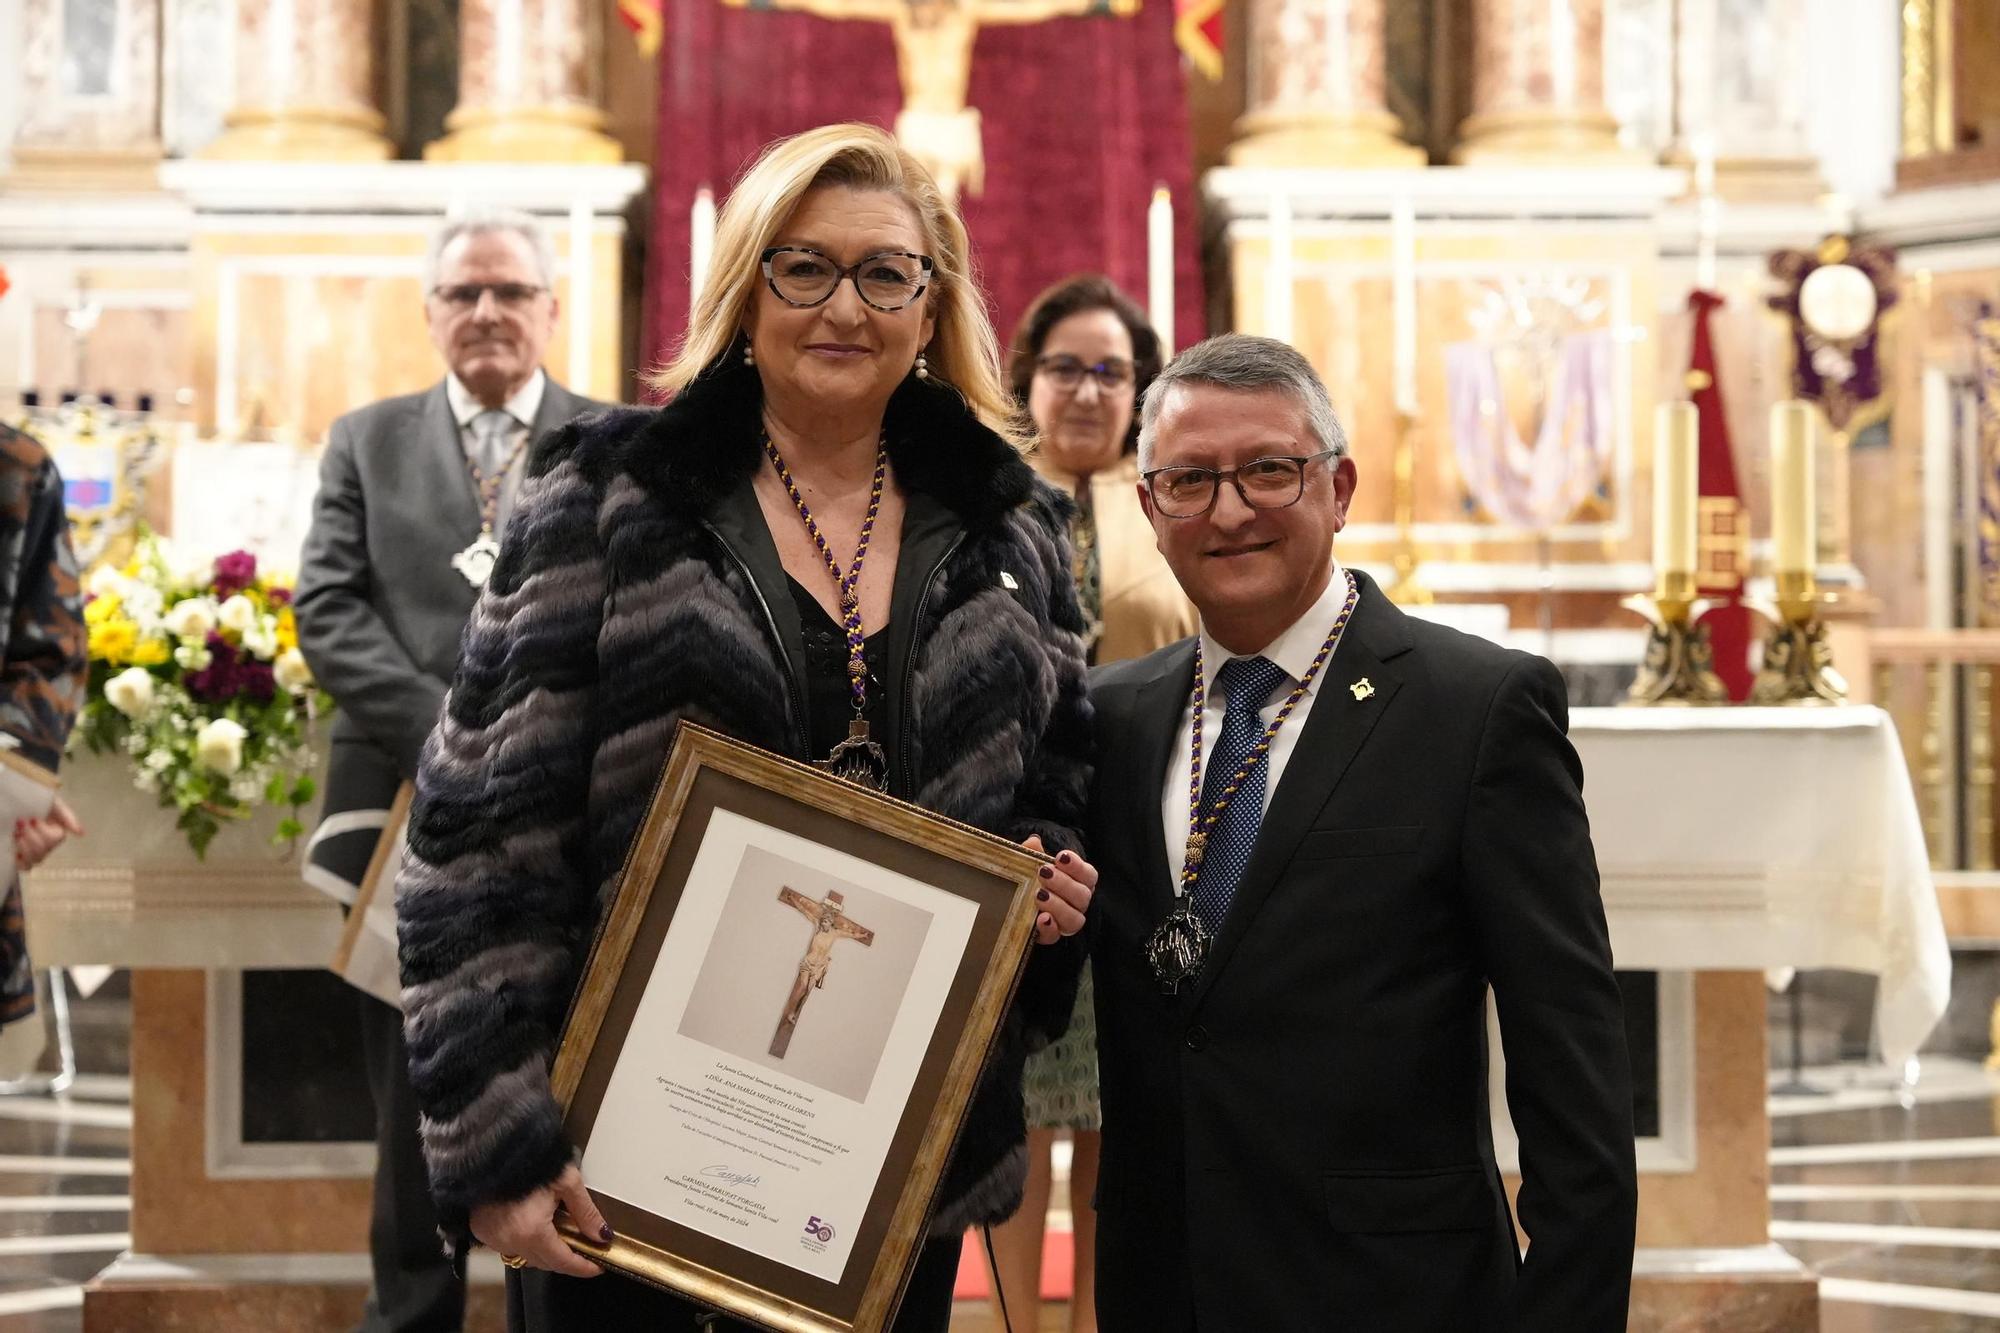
<point x="858" y="759"/>
<point x="1178" y="949"/>
<point x="476" y="561"/>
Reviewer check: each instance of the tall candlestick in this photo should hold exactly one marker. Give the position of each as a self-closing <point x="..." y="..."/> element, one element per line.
<point x="1708" y="210"/>
<point x="701" y="242"/>
<point x="1403" y="294"/>
<point x="1793" y="538"/>
<point x="1676" y="455"/>
<point x="1160" y="267"/>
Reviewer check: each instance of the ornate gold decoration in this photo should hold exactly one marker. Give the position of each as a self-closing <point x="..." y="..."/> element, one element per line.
<point x="302" y="134"/>
<point x="525" y="134"/>
<point x="1406" y="589"/>
<point x="1919" y="77"/>
<point x="1679" y="665"/>
<point x="1798" y="657"/>
<point x="128" y="448"/>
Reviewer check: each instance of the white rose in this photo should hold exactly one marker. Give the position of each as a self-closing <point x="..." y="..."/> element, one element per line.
<point x="291" y="671"/>
<point x="219" y="746"/>
<point x="193" y="657"/>
<point x="106" y="581"/>
<point x="192" y="618"/>
<point x="261" y="639"/>
<point x="143" y="605"/>
<point x="130" y="691"/>
<point x="239" y="613"/>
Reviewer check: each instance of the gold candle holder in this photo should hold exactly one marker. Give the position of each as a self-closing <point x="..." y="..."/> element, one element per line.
<point x="1798" y="657"/>
<point x="1407" y="589"/>
<point x="1679" y="667"/>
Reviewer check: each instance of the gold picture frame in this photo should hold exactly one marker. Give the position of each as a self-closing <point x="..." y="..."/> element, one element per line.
<point x="694" y="915"/>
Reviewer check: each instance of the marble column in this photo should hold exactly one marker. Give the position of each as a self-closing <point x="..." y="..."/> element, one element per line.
<point x="527" y="85"/>
<point x="1317" y="88"/>
<point x="305" y="83"/>
<point x="1538" y="84"/>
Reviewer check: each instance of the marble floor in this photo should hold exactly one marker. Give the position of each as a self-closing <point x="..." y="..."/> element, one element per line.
<point x="1891" y="1193"/>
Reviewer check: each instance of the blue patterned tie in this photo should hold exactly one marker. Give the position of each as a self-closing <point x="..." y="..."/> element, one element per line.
<point x="1248" y="684"/>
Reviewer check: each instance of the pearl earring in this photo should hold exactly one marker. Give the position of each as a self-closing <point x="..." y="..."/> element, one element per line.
<point x="923" y="366"/>
<point x="749" y="356"/>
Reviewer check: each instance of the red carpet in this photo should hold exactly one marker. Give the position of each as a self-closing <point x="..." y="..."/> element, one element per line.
<point x="974" y="1277"/>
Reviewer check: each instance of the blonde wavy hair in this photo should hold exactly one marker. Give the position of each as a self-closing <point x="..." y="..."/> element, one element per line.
<point x="963" y="352"/>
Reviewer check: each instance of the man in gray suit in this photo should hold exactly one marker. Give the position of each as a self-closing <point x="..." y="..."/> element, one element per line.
<point x="413" y="503"/>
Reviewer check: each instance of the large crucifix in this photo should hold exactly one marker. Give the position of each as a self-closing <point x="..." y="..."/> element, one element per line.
<point x="830" y="925"/>
<point x="934" y="59"/>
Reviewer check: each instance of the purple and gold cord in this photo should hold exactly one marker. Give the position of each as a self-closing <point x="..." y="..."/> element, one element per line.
<point x="1199" y="825"/>
<point x="847" y="583"/>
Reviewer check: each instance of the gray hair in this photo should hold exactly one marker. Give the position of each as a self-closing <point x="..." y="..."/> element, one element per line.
<point x="1242" y="361"/>
<point x="482" y="221"/>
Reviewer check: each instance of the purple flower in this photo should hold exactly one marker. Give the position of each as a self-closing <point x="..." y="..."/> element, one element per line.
<point x="220" y="680"/>
<point x="255" y="679"/>
<point x="234" y="572"/>
<point x="279" y="596"/>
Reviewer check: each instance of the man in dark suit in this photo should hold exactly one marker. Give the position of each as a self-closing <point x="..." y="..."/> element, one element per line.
<point x="1291" y="1002"/>
<point x="414" y="498"/>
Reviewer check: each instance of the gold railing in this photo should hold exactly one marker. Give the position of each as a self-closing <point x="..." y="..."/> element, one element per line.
<point x="1939" y="686"/>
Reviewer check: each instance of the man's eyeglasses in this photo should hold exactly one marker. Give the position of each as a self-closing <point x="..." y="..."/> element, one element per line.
<point x="1263" y="483"/>
<point x="506" y="295"/>
<point x="1067" y="373"/>
<point x="806" y="278"/>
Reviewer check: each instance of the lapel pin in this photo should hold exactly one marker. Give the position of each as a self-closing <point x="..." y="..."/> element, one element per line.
<point x="1362" y="689"/>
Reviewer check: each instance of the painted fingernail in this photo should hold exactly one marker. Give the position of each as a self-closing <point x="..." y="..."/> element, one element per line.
<point x="1065" y="858"/>
<point x="1041" y="895"/>
<point x="1047" y="872"/>
<point x="604" y="1233"/>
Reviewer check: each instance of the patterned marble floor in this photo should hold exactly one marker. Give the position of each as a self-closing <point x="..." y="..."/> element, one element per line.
<point x="1892" y="1194"/>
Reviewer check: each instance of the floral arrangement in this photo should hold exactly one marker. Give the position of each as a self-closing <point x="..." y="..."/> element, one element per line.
<point x="196" y="675"/>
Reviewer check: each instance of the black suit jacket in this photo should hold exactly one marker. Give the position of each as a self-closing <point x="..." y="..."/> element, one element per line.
<point x="380" y="607"/>
<point x="1300" y="1140"/>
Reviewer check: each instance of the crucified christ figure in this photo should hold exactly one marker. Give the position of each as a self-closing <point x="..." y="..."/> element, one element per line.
<point x="934" y="58"/>
<point x="830" y="925"/>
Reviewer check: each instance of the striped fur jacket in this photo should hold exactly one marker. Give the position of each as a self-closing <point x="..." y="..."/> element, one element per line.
<point x="639" y="585"/>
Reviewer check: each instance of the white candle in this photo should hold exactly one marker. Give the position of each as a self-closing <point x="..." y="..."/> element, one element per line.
<point x="1403" y="294"/>
<point x="1676" y="485"/>
<point x="1708" y="211"/>
<point x="1793" y="536"/>
<point x="701" y="242"/>
<point x="1160" y="267"/>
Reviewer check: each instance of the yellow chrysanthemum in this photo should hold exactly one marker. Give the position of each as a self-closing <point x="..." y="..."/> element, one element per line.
<point x="101" y="609"/>
<point x="288" y="630"/>
<point x="151" y="652"/>
<point x="113" y="641"/>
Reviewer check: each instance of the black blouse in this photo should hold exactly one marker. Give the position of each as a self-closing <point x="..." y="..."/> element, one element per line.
<point x="829" y="700"/>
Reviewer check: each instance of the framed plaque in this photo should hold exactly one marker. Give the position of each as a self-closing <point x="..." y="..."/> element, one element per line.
<point x="779" y="1031"/>
<point x="366" y="955"/>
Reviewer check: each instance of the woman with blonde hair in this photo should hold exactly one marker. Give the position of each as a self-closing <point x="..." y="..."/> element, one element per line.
<point x="826" y="545"/>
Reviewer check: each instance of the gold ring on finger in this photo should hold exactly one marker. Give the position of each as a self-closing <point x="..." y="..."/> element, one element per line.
<point x="513" y="1261"/>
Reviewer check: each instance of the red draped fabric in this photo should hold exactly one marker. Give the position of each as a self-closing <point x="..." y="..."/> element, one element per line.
<point x="1082" y="118"/>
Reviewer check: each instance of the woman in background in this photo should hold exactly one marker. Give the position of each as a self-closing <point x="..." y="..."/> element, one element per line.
<point x="1082" y="358"/>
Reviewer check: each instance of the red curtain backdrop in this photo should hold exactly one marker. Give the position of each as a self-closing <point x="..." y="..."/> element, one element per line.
<point x="1082" y="118"/>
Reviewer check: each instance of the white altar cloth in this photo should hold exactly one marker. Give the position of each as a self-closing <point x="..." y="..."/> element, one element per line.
<point x="1752" y="838"/>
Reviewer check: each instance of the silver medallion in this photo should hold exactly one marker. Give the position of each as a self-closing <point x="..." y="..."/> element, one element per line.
<point x="476" y="561"/>
<point x="1178" y="948"/>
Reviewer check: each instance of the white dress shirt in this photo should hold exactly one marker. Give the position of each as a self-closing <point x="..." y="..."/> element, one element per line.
<point x="522" y="407"/>
<point x="1293" y="652"/>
